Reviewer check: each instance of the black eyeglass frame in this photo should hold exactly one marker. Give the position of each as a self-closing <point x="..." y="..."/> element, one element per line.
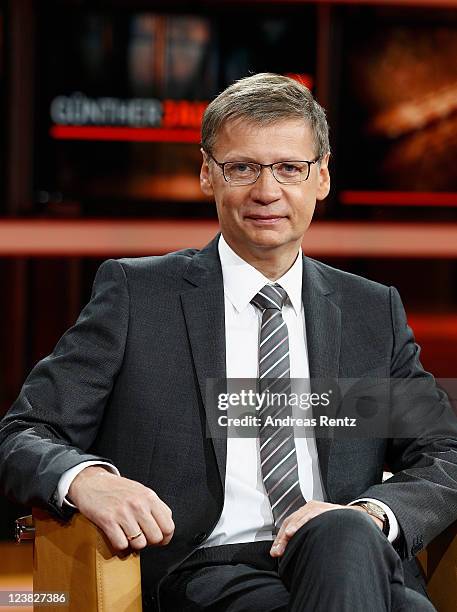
<point x="260" y="166"/>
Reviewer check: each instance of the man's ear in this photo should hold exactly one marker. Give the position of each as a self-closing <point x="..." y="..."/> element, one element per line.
<point x="205" y="176"/>
<point x="323" y="186"/>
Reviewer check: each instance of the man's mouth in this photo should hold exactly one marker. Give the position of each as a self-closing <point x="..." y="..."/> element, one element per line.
<point x="265" y="219"/>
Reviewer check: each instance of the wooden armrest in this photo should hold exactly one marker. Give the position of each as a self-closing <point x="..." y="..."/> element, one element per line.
<point x="76" y="557"/>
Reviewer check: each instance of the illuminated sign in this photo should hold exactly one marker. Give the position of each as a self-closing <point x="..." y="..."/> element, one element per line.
<point x="79" y="117"/>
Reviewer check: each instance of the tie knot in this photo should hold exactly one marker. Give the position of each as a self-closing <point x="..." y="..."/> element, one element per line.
<point x="271" y="296"/>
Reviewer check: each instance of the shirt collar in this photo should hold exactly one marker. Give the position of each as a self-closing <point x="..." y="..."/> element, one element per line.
<point x="242" y="281"/>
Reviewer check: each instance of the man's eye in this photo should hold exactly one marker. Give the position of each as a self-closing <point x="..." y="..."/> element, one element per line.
<point x="240" y="168"/>
<point x="290" y="168"/>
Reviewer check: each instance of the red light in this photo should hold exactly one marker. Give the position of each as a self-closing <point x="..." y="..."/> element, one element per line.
<point x="97" y="133"/>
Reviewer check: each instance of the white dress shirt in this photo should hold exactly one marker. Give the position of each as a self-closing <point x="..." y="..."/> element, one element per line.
<point x="247" y="515"/>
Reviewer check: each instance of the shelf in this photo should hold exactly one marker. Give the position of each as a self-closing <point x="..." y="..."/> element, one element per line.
<point x="136" y="237"/>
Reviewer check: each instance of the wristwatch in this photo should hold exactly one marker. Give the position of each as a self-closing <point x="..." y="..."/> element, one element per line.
<point x="377" y="512"/>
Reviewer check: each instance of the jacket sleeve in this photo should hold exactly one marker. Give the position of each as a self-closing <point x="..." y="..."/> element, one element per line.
<point x="423" y="491"/>
<point x="60" y="407"/>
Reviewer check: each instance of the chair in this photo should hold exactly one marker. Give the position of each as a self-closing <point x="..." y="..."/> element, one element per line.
<point x="75" y="557"/>
<point x="439" y="562"/>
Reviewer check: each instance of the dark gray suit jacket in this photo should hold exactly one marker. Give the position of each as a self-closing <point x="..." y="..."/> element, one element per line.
<point x="127" y="383"/>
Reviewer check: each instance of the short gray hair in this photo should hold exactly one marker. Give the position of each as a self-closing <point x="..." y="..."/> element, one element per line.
<point x="263" y="99"/>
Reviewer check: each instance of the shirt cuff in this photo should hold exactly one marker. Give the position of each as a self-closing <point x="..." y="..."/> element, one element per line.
<point x="69" y="475"/>
<point x="394" y="528"/>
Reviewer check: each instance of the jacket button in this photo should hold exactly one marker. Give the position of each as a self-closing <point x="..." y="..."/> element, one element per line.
<point x="199" y="538"/>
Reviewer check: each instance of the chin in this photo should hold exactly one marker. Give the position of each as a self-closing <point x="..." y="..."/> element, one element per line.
<point x="269" y="240"/>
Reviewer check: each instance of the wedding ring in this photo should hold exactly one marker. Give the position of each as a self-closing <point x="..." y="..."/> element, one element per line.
<point x="134" y="537"/>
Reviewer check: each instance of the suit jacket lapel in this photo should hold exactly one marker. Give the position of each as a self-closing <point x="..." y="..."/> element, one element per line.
<point x="203" y="306"/>
<point x="323" y="336"/>
<point x="323" y="322"/>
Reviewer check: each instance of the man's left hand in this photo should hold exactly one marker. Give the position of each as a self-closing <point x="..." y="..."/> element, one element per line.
<point x="301" y="516"/>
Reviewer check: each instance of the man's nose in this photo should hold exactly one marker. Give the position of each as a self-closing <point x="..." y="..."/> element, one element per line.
<point x="266" y="189"/>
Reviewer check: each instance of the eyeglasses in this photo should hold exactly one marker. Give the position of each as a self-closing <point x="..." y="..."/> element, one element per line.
<point x="247" y="173"/>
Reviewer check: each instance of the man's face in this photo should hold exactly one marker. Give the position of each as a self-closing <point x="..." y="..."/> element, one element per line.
<point x="265" y="215"/>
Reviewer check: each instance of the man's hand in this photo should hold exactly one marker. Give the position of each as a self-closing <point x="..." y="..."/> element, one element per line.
<point x="301" y="516"/>
<point x="122" y="508"/>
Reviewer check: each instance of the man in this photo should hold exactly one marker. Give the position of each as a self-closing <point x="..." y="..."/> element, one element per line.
<point x="228" y="523"/>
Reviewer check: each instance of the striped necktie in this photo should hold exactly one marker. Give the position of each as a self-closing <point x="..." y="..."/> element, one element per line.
<point x="278" y="456"/>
